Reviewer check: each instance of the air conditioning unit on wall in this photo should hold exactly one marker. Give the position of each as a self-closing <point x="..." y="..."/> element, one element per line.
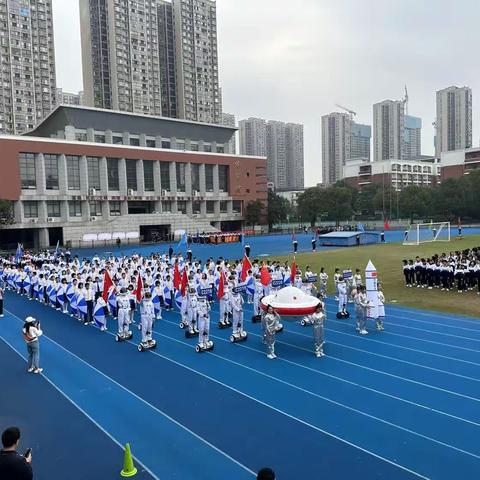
<point x="50" y="219"/>
<point x="93" y="219"/>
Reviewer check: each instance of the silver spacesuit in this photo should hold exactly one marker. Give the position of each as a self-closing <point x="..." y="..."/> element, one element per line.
<point x="203" y="311"/>
<point x="361" y="311"/>
<point x="147" y="314"/>
<point x="318" y="319"/>
<point x="192" y="313"/>
<point x="258" y="294"/>
<point x="236" y="302"/>
<point x="269" y="323"/>
<point x="342" y="296"/>
<point x="123" y="308"/>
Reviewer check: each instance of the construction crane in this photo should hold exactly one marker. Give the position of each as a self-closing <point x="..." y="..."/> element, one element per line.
<point x="351" y="112"/>
<point x="405" y="100"/>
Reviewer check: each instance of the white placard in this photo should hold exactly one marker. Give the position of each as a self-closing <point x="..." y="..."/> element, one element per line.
<point x="104" y="236"/>
<point x="132" y="235"/>
<point x="120" y="235"/>
<point x="90" y="237"/>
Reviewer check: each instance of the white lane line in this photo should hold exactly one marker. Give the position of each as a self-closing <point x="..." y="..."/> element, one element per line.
<point x="80" y="409"/>
<point x="330" y="400"/>
<point x="168" y="417"/>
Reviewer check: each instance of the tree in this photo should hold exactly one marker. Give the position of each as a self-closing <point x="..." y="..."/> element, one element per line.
<point x="278" y="209"/>
<point x="308" y="205"/>
<point x="363" y="200"/>
<point x="6" y="212"/>
<point x="253" y="213"/>
<point x="339" y="203"/>
<point x="415" y="202"/>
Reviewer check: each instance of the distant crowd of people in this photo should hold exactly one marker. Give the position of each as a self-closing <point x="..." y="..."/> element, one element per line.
<point x="459" y="270"/>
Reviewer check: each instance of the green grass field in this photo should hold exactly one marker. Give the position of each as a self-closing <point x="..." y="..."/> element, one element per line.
<point x="387" y="258"/>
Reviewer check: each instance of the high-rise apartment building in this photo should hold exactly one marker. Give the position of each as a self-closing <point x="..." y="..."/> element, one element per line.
<point x="295" y="157"/>
<point x="253" y="137"/>
<point x="66" y="98"/>
<point x="276" y="153"/>
<point x="228" y="120"/>
<point x="199" y="96"/>
<point x="27" y="76"/>
<point x="336" y="145"/>
<point x="412" y="138"/>
<point x="454" y="119"/>
<point x="388" y="129"/>
<point x="128" y="55"/>
<point x="360" y="142"/>
<point x="282" y="144"/>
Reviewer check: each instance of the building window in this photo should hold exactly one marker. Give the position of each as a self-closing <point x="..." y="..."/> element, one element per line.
<point x="131" y="174"/>
<point x="73" y="172"/>
<point x="166" y="206"/>
<point x="237" y="206"/>
<point x="135" y="142"/>
<point x="80" y="136"/>
<point x="195" y="175"/>
<point x="180" y="167"/>
<point x="182" y="206"/>
<point x="148" y="176"/>
<point x="207" y="147"/>
<point x="165" y="175"/>
<point x="115" y="210"/>
<point x="223" y="206"/>
<point x="93" y="165"/>
<point x="27" y="170"/>
<point x="166" y="144"/>
<point x="51" y="171"/>
<point x="194" y="147"/>
<point x="210" y="207"/>
<point x="30" y="209"/>
<point x="99" y="138"/>
<point x="140" y="208"/>
<point x="223" y="178"/>
<point x="75" y="209"/>
<point x="209" y="178"/>
<point x="117" y="140"/>
<point x="112" y="174"/>
<point x="95" y="209"/>
<point x="53" y="209"/>
<point x="150" y="143"/>
<point x="220" y="149"/>
<point x="196" y="207"/>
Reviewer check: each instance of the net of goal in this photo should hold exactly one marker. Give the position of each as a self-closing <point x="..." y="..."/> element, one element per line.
<point x="427" y="232"/>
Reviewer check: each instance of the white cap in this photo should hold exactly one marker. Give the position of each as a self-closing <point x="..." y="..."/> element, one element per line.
<point x="30" y="320"/>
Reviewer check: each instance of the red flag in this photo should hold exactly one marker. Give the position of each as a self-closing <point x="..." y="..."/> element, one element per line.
<point x="139" y="289"/>
<point x="184" y="282"/>
<point x="177" y="281"/>
<point x="294" y="270"/>
<point x="265" y="276"/>
<point x="386" y="224"/>
<point x="246" y="266"/>
<point x="221" y="287"/>
<point x="107" y="285"/>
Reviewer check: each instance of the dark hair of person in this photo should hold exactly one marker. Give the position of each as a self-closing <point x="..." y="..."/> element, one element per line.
<point x="266" y="474"/>
<point x="10" y="436"/>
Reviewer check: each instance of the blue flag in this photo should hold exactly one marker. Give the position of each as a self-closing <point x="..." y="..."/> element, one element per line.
<point x="360" y="227"/>
<point x="183" y="241"/>
<point x="57" y="249"/>
<point x="19" y="252"/>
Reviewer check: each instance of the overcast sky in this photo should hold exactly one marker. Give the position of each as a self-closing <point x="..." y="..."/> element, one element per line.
<point x="293" y="60"/>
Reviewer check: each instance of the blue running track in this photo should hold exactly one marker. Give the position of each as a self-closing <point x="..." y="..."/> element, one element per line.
<point x="401" y="404"/>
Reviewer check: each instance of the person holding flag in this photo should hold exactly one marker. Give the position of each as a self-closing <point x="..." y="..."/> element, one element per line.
<point x="222" y="295"/>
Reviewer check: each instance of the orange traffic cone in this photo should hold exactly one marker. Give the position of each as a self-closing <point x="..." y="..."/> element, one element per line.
<point x="129" y="469"/>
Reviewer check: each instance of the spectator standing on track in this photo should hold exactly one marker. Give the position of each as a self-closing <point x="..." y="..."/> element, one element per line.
<point x="14" y="466"/>
<point x="266" y="474"/>
<point x="31" y="334"/>
<point x="1" y="300"/>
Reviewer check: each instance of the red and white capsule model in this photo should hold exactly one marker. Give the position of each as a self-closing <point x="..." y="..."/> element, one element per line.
<point x="290" y="302"/>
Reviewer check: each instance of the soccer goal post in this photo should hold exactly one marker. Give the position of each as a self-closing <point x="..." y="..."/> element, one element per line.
<point x="427" y="232"/>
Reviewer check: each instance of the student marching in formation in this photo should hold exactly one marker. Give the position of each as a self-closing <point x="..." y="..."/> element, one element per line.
<point x="147" y="315"/>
